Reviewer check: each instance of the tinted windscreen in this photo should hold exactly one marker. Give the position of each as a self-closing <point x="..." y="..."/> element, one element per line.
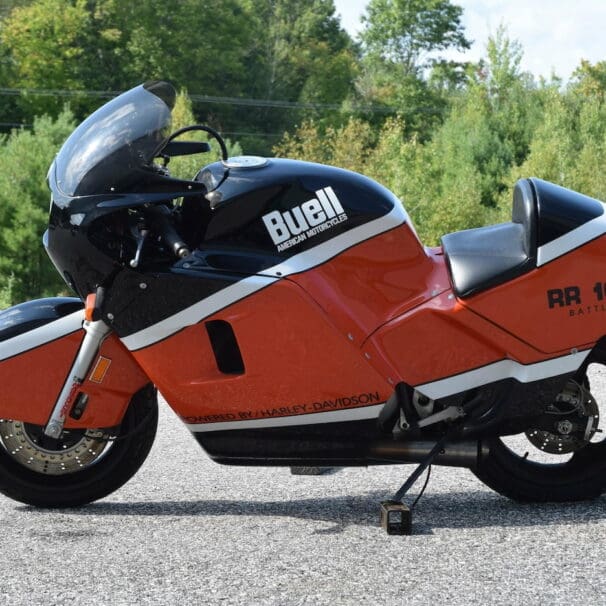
<point x="101" y="154"/>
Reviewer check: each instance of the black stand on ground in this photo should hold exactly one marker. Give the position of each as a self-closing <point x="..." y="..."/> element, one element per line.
<point x="396" y="516"/>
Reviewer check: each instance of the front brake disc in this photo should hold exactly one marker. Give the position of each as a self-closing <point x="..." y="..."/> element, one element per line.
<point x="73" y="451"/>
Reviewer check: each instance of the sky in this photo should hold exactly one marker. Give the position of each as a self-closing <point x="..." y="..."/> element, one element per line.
<point x="555" y="34"/>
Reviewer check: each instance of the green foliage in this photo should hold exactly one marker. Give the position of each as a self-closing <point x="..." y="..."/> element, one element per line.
<point x="401" y="41"/>
<point x="25" y="270"/>
<point x="569" y="144"/>
<point x="301" y="51"/>
<point x="450" y="139"/>
<point x="46" y="42"/>
<point x="403" y="33"/>
<point x="7" y="297"/>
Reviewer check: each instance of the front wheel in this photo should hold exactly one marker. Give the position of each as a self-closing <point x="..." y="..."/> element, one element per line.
<point x="81" y="465"/>
<point x="566" y="462"/>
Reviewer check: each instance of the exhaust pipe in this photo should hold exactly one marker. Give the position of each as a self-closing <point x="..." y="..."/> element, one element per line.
<point x="454" y="454"/>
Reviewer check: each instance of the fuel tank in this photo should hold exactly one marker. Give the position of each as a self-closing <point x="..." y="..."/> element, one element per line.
<point x="285" y="207"/>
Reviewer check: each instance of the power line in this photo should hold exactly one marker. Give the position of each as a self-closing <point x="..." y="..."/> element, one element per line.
<point x="224" y="133"/>
<point x="249" y="134"/>
<point x="216" y="100"/>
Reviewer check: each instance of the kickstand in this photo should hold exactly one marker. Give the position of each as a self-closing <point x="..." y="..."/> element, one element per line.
<point x="396" y="516"/>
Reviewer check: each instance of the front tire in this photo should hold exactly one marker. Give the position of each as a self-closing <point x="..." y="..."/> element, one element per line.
<point x="25" y="475"/>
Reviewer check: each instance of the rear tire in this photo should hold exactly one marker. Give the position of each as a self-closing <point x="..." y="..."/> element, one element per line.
<point x="555" y="464"/>
<point x="118" y="462"/>
<point x="580" y="478"/>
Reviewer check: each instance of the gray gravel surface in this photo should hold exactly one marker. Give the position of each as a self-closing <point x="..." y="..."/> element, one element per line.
<point x="186" y="530"/>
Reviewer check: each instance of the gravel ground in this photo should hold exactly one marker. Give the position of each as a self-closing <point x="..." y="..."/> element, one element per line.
<point x="188" y="530"/>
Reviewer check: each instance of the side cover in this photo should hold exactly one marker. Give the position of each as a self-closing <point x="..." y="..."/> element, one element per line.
<point x="38" y="343"/>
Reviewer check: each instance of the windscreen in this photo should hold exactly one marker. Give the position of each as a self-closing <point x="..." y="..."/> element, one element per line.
<point x="103" y="154"/>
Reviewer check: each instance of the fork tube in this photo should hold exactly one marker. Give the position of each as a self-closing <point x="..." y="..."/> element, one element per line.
<point x="95" y="333"/>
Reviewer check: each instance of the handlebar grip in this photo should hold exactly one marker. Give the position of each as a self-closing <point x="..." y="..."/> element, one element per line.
<point x="174" y="241"/>
<point x="162" y="223"/>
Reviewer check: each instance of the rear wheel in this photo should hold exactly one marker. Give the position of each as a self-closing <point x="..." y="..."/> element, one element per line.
<point x="566" y="462"/>
<point x="82" y="465"/>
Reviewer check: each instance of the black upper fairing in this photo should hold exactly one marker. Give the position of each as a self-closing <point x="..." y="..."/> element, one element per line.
<point x="238" y="217"/>
<point x="107" y="151"/>
<point x="104" y="168"/>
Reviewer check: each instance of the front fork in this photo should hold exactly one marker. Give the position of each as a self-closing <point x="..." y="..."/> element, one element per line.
<point x="96" y="331"/>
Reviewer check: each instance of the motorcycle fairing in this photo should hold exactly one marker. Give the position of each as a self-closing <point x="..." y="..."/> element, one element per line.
<point x="301" y="235"/>
<point x="383" y="330"/>
<point x="38" y="343"/>
<point x="562" y="212"/>
<point x="36" y="323"/>
<point x="213" y="289"/>
<point x="296" y="365"/>
<point x="535" y="311"/>
<point x="25" y="317"/>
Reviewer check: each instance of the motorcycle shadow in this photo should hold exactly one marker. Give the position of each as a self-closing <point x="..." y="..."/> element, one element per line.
<point x="454" y="510"/>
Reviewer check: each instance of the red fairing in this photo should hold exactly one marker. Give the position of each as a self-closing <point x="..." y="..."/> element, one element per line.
<point x="295" y="363"/>
<point x="375" y="281"/>
<point x="33" y="380"/>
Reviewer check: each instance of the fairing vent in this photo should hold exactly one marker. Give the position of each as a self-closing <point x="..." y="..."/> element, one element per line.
<point x="225" y="347"/>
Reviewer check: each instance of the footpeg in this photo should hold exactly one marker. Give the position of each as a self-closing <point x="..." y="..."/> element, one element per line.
<point x="396" y="518"/>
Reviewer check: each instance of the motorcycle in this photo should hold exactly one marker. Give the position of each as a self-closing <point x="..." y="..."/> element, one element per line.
<point x="289" y="315"/>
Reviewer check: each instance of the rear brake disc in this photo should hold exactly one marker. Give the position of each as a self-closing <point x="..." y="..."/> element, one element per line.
<point x="567" y="437"/>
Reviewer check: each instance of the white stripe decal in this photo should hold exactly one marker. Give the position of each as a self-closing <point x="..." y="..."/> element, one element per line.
<point x="196" y="312"/>
<point x="317" y="255"/>
<point x="296" y="264"/>
<point x="504" y="369"/>
<point x="573" y="239"/>
<point x="334" y="416"/>
<point x="41" y="335"/>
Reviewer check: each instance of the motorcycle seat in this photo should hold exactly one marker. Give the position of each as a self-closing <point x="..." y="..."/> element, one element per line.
<point x="484" y="257"/>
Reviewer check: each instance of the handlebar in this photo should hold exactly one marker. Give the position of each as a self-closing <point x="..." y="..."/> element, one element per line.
<point x="161" y="222"/>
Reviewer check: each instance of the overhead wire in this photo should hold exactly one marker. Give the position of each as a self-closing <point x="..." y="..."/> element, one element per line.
<point x="220" y="100"/>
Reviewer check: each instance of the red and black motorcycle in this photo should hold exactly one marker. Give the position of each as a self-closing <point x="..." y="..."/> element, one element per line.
<point x="289" y="314"/>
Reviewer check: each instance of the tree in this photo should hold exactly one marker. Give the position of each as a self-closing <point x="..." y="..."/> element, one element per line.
<point x="267" y="50"/>
<point x="590" y="80"/>
<point x="296" y="41"/>
<point x="44" y="44"/>
<point x="301" y="54"/>
<point x="109" y="45"/>
<point x="6" y="6"/>
<point x="406" y="33"/>
<point x="401" y="42"/>
<point x="25" y="157"/>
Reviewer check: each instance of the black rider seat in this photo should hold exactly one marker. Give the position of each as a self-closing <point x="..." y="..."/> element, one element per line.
<point x="481" y="258"/>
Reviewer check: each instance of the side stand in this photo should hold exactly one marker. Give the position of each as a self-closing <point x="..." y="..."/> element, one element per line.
<point x="396" y="516"/>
